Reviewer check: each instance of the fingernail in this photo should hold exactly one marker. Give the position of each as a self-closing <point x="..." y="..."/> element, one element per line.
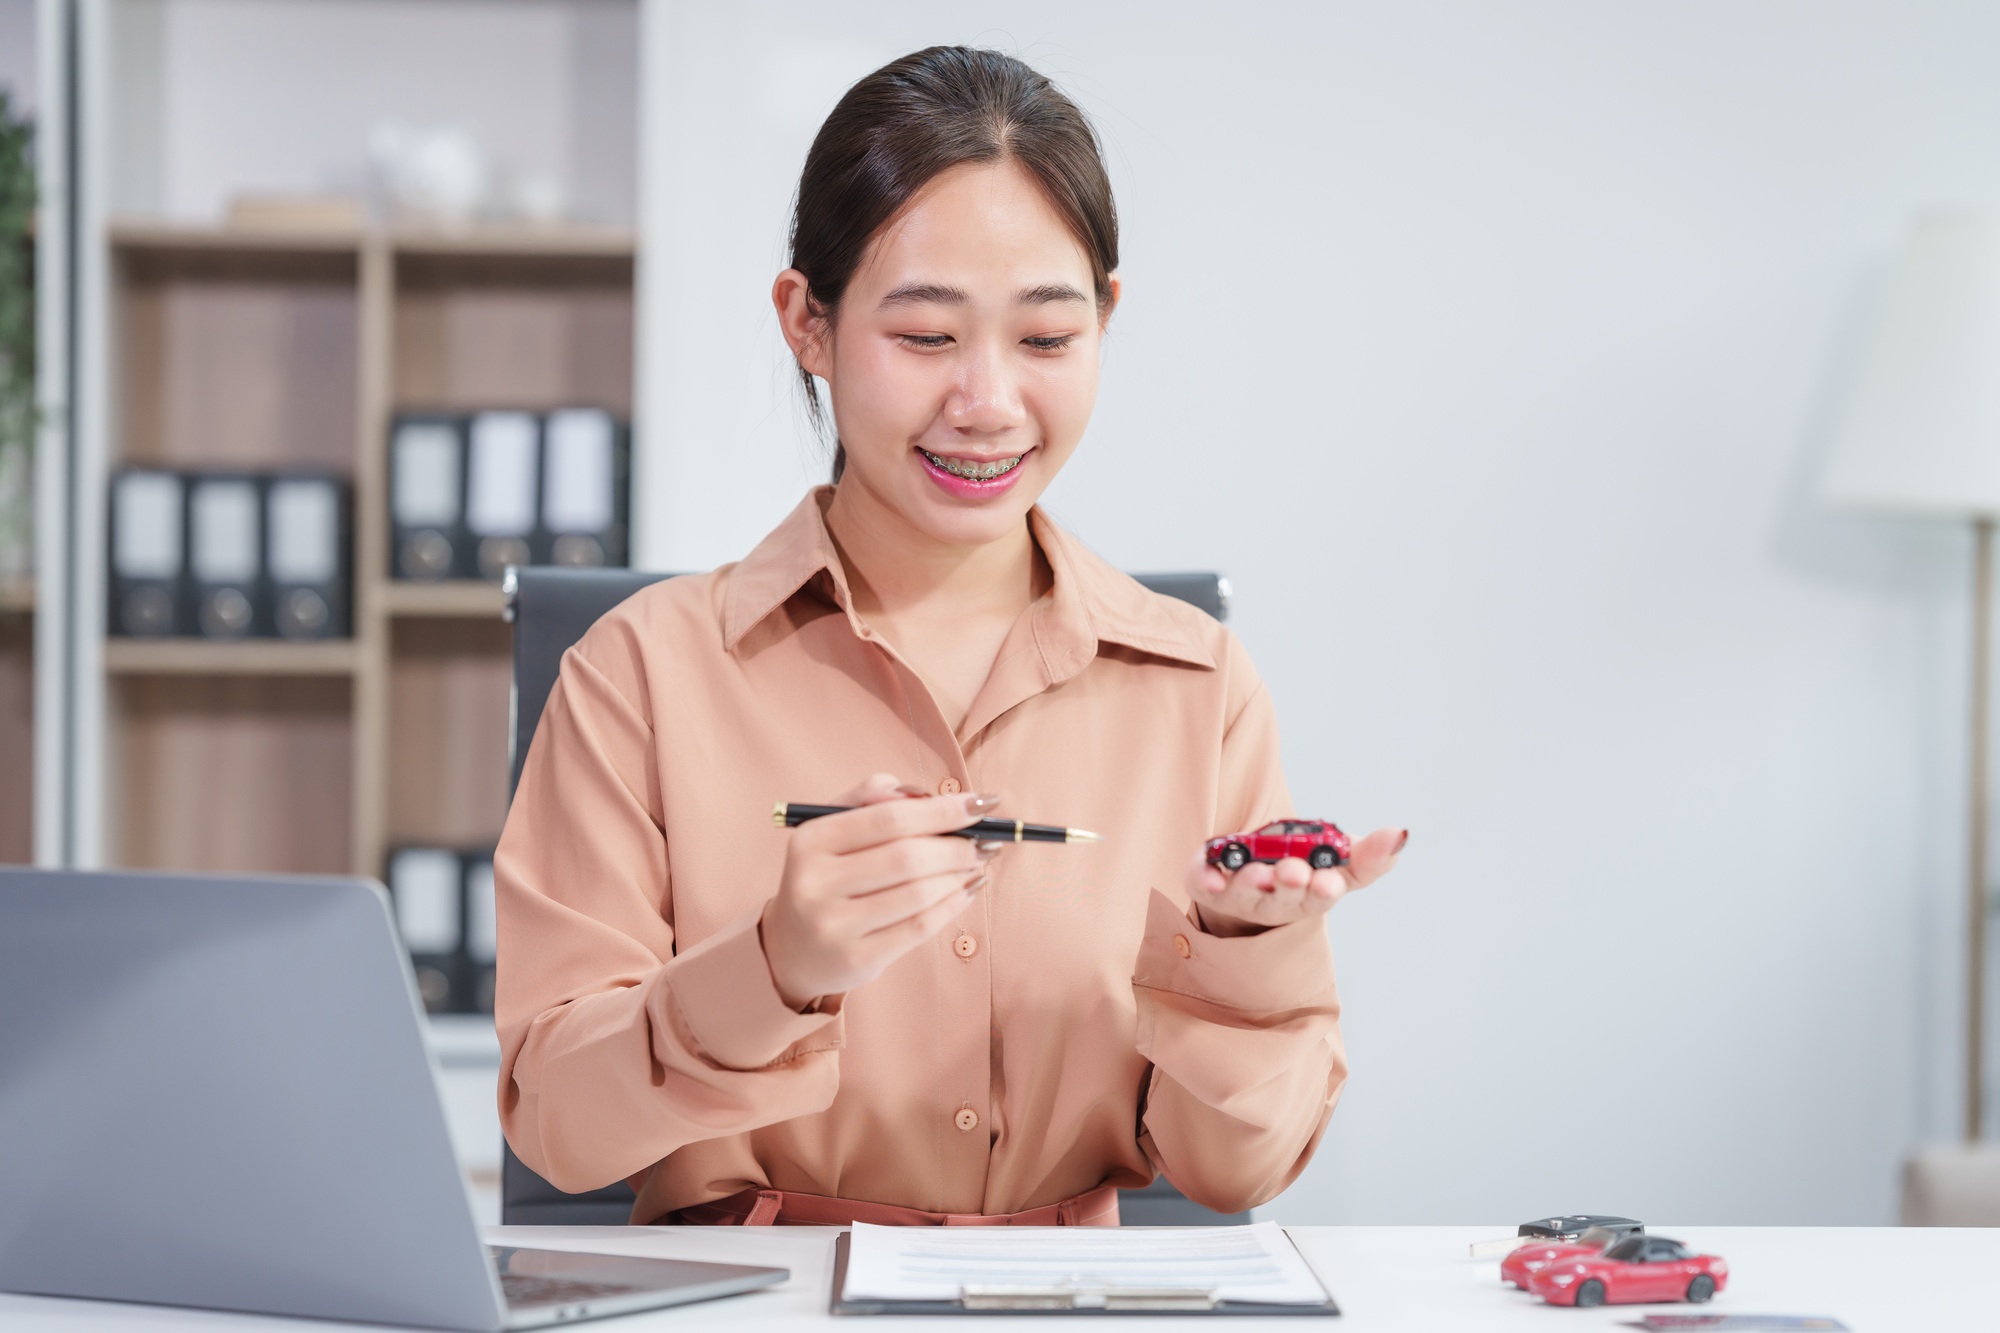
<point x="975" y="884"/>
<point x="1401" y="843"/>
<point x="905" y="789"/>
<point x="988" y="850"/>
<point x="979" y="805"/>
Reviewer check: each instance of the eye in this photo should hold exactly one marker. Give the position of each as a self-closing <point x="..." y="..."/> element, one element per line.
<point x="929" y="342"/>
<point x="1051" y="343"/>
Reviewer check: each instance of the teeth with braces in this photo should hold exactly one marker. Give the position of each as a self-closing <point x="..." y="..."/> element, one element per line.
<point x="999" y="467"/>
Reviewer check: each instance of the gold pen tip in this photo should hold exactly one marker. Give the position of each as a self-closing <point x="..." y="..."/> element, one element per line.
<point x="1081" y="835"/>
<point x="778" y="814"/>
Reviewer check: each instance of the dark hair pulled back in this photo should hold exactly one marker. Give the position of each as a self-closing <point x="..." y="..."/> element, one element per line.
<point x="915" y="118"/>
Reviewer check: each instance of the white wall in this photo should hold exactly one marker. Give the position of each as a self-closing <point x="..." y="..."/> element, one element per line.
<point x="219" y="97"/>
<point x="1490" y="349"/>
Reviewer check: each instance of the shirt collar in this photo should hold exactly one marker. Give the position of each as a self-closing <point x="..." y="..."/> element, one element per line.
<point x="1089" y="603"/>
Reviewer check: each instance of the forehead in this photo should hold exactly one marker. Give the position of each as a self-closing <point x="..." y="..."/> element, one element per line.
<point x="978" y="225"/>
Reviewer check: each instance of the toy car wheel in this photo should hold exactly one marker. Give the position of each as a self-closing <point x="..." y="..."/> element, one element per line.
<point x="1590" y="1293"/>
<point x="1701" y="1289"/>
<point x="1321" y="858"/>
<point x="1235" y="856"/>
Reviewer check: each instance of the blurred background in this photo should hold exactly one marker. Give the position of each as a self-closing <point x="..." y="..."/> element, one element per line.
<point x="1499" y="354"/>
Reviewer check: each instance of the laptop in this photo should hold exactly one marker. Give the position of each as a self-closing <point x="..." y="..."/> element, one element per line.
<point x="216" y="1092"/>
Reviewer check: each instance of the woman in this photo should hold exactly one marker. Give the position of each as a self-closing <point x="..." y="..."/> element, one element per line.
<point x="860" y="1019"/>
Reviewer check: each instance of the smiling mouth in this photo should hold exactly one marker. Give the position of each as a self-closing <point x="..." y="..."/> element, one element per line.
<point x="972" y="469"/>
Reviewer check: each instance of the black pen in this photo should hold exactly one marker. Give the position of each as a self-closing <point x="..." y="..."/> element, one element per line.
<point x="790" y="814"/>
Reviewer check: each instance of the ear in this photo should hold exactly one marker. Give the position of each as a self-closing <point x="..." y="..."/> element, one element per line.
<point x="1104" y="312"/>
<point x="806" y="332"/>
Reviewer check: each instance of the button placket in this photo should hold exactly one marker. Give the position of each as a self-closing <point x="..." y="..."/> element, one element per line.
<point x="966" y="986"/>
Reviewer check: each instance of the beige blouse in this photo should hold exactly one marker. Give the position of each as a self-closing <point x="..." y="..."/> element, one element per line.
<point x="1073" y="1027"/>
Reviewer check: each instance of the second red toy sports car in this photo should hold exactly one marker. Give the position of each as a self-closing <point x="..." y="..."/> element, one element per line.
<point x="1638" y="1268"/>
<point x="1532" y="1257"/>
<point x="1317" y="842"/>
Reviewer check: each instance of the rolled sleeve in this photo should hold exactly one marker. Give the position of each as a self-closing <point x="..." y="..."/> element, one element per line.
<point x="1285" y="968"/>
<point x="731" y="1007"/>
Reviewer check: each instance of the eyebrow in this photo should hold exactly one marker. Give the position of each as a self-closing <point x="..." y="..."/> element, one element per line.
<point x="926" y="293"/>
<point x="1052" y="294"/>
<point x="937" y="293"/>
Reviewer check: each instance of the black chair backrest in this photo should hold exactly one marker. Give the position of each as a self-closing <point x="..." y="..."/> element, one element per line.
<point x="551" y="609"/>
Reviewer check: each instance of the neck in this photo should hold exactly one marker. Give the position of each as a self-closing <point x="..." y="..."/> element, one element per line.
<point x="894" y="570"/>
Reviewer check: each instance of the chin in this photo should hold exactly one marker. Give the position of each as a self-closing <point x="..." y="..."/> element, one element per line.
<point x="969" y="525"/>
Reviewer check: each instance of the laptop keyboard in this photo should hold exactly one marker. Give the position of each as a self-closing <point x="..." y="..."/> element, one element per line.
<point x="528" y="1289"/>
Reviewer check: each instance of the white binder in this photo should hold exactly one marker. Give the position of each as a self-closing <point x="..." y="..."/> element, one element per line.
<point x="500" y="488"/>
<point x="579" y="484"/>
<point x="224" y="530"/>
<point x="303" y="555"/>
<point x="426" y="498"/>
<point x="424" y="881"/>
<point x="147" y="553"/>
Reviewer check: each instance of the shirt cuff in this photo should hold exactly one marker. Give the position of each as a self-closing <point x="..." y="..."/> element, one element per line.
<point x="1286" y="967"/>
<point x="731" y="1006"/>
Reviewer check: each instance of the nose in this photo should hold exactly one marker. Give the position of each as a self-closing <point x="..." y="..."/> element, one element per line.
<point x="986" y="399"/>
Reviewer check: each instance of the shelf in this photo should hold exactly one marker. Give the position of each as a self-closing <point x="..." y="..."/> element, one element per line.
<point x="144" y="234"/>
<point x="470" y="599"/>
<point x="17" y="596"/>
<point x="554" y="240"/>
<point x="243" y="657"/>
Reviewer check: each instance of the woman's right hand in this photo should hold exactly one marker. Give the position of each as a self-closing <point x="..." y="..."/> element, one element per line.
<point x="864" y="887"/>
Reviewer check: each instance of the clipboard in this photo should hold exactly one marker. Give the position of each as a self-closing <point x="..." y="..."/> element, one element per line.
<point x="1061" y="1301"/>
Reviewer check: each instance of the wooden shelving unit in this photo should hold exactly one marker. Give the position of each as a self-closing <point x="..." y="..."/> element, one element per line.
<point x="268" y="348"/>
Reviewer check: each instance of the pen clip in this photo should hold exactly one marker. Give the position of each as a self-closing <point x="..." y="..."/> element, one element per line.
<point x="1067" y="1297"/>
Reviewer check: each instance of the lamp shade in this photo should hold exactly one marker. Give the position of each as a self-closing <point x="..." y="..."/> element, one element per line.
<point x="1921" y="428"/>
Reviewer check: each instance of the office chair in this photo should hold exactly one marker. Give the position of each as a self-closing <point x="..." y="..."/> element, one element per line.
<point x="550" y="609"/>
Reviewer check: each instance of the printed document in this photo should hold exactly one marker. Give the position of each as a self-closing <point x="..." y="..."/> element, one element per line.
<point x="1251" y="1263"/>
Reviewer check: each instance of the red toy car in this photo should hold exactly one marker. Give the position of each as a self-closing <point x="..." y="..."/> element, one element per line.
<point x="1317" y="842"/>
<point x="1636" y="1269"/>
<point x="1529" y="1259"/>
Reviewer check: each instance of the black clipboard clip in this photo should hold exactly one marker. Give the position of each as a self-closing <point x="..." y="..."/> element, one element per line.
<point x="1085" y="1296"/>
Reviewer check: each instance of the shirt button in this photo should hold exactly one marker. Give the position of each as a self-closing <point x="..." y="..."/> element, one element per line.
<point x="967" y="1119"/>
<point x="1182" y="947"/>
<point x="965" y="946"/>
<point x="948" y="787"/>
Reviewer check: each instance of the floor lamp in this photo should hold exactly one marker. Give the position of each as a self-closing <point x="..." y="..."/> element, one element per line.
<point x="1921" y="435"/>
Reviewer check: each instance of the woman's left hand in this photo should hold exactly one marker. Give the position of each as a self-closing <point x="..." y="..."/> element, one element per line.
<point x="1262" y="895"/>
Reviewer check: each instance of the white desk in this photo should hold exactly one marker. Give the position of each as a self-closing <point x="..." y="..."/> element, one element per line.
<point x="1400" y="1279"/>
